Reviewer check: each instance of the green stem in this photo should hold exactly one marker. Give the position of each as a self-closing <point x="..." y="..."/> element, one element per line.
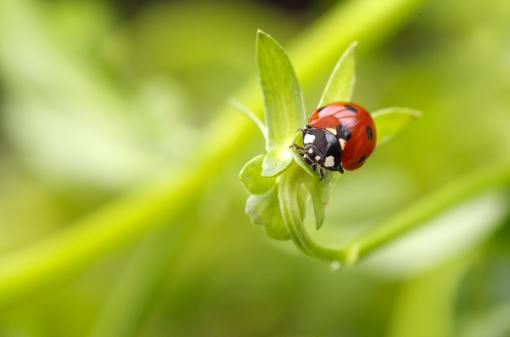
<point x="149" y="272"/>
<point x="290" y="187"/>
<point x="492" y="176"/>
<point x="84" y="241"/>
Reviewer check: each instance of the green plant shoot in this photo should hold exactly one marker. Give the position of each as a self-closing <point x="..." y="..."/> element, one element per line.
<point x="279" y="183"/>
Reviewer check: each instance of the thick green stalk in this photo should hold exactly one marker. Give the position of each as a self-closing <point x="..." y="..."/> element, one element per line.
<point x="147" y="275"/>
<point x="494" y="175"/>
<point x="132" y="215"/>
<point x="86" y="240"/>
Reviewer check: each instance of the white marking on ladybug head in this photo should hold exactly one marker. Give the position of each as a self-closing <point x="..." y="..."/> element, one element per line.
<point x="333" y="131"/>
<point x="309" y="138"/>
<point x="317" y="158"/>
<point x="329" y="161"/>
<point x="342" y="143"/>
<point x="310" y="150"/>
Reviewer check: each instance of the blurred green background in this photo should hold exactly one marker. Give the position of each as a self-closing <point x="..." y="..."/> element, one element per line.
<point x="100" y="97"/>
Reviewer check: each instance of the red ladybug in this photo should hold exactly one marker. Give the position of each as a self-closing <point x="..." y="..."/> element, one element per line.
<point x="339" y="135"/>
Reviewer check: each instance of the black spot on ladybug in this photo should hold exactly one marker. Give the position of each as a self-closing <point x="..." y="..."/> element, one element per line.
<point x="343" y="132"/>
<point x="370" y="133"/>
<point x="362" y="159"/>
<point x="351" y="108"/>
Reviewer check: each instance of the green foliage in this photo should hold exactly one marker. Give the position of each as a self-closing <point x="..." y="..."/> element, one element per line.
<point x="264" y="210"/>
<point x="283" y="103"/>
<point x="390" y="121"/>
<point x="341" y="82"/>
<point x="319" y="192"/>
<point x="252" y="179"/>
<point x="250" y="115"/>
<point x="280" y="208"/>
<point x="262" y="206"/>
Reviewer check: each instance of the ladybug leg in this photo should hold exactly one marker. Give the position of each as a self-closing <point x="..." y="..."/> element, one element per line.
<point x="315" y="168"/>
<point x="297" y="148"/>
<point x="319" y="169"/>
<point x="321" y="172"/>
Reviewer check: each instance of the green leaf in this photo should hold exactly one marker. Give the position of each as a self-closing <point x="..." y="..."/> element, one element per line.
<point x="264" y="210"/>
<point x="302" y="199"/>
<point x="305" y="166"/>
<point x="319" y="191"/>
<point x="236" y="104"/>
<point x="277" y="230"/>
<point x="283" y="103"/>
<point x="389" y="122"/>
<point x="342" y="79"/>
<point x="276" y="162"/>
<point x="252" y="179"/>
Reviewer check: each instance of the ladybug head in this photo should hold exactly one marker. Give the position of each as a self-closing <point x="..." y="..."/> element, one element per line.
<point x="322" y="148"/>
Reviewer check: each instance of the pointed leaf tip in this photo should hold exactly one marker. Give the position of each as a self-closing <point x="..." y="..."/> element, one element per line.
<point x="283" y="103"/>
<point x="341" y="82"/>
<point x="260" y="31"/>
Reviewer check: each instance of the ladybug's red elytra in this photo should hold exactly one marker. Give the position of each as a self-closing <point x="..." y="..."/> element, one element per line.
<point x="339" y="136"/>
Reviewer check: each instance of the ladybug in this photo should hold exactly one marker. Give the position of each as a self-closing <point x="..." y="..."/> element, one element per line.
<point x="339" y="136"/>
